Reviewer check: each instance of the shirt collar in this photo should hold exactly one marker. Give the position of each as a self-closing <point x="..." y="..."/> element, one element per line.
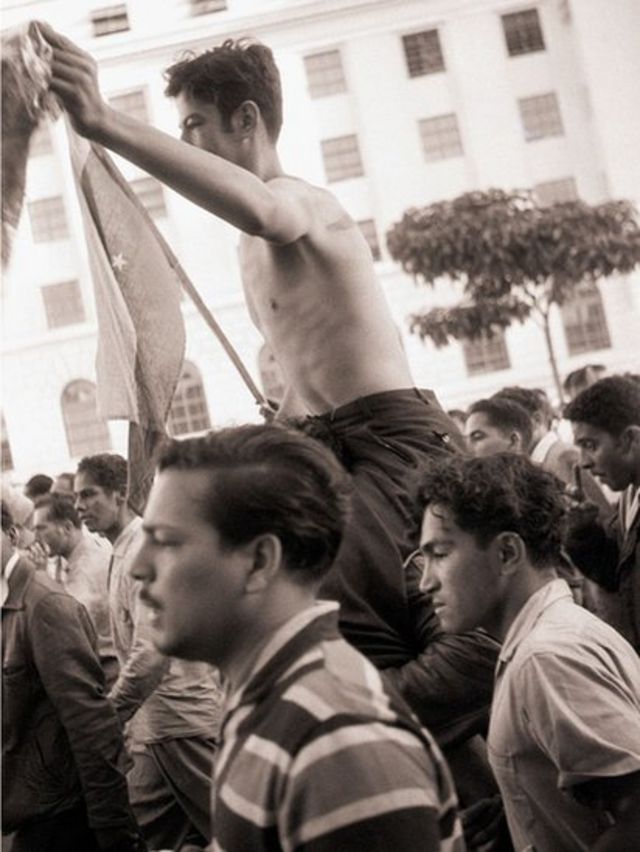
<point x="11" y="564"/>
<point x="122" y="542"/>
<point x="541" y="449"/>
<point x="526" y="619"/>
<point x="282" y="637"/>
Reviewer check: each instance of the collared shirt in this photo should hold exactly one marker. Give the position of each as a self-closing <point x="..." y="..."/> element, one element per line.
<point x="628" y="507"/>
<point x="170" y="697"/>
<point x="316" y="754"/>
<point x="566" y="710"/>
<point x="541" y="449"/>
<point x="12" y="561"/>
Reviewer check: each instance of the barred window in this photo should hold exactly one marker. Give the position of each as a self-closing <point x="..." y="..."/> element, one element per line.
<point x="131" y="103"/>
<point x="423" y="53"/>
<point x="540" y="116"/>
<point x="341" y="158"/>
<point x="87" y="432"/>
<point x="111" y="19"/>
<point x="41" y="142"/>
<point x="522" y="32"/>
<point x="63" y="304"/>
<point x="189" y="412"/>
<point x="7" y="458"/>
<point x="48" y="219"/>
<point x="325" y="75"/>
<point x="486" y="354"/>
<point x="585" y="322"/>
<point x="556" y="191"/>
<point x="440" y="137"/>
<point x="151" y="195"/>
<point x="204" y="7"/>
<point x="271" y="377"/>
<point x="368" y="228"/>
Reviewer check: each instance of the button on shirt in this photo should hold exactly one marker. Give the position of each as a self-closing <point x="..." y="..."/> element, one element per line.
<point x="566" y="710"/>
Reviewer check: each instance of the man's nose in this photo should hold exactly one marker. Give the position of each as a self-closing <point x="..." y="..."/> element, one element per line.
<point x="429" y="581"/>
<point x="141" y="568"/>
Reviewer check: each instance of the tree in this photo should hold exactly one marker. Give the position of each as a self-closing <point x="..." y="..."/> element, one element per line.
<point x="513" y="258"/>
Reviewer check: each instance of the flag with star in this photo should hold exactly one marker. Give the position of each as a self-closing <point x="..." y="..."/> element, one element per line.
<point x="137" y="282"/>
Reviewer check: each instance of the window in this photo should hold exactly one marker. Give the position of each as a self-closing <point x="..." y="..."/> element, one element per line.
<point x="189" y="412"/>
<point x="486" y="354"/>
<point x="585" y="322"/>
<point x="556" y="191"/>
<point x="87" y="432"/>
<point x="7" y="458"/>
<point x="341" y="158"/>
<point x="151" y="196"/>
<point x="132" y="104"/>
<point x="522" y="32"/>
<point x="271" y="376"/>
<point x="540" y="117"/>
<point x="63" y="304"/>
<point x="440" y="137"/>
<point x="368" y="228"/>
<point x="203" y="7"/>
<point x="41" y="142"/>
<point x="423" y="53"/>
<point x="112" y="19"/>
<point x="48" y="219"/>
<point x="325" y="75"/>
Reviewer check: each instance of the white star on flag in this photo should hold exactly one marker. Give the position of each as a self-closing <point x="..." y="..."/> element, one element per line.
<point x="119" y="262"/>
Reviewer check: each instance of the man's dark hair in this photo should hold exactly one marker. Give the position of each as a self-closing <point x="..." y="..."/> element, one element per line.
<point x="38" y="485"/>
<point x="7" y="517"/>
<point x="59" y="508"/>
<point x="270" y="479"/>
<point x="506" y="415"/>
<point x="611" y="404"/>
<point x="229" y="75"/>
<point x="107" y="470"/>
<point x="577" y="380"/>
<point x="533" y="400"/>
<point x="500" y="493"/>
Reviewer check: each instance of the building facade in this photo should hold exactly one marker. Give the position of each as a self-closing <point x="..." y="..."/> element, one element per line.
<point x="391" y="105"/>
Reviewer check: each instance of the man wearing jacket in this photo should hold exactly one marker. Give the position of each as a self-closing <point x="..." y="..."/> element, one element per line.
<point x="62" y="748"/>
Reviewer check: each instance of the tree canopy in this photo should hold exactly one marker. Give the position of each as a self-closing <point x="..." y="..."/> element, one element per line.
<point x="512" y="257"/>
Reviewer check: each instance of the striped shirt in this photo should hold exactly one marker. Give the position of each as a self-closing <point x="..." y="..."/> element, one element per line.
<point x="317" y="755"/>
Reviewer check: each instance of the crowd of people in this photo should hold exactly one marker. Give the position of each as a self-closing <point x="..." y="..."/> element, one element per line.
<point x="355" y="626"/>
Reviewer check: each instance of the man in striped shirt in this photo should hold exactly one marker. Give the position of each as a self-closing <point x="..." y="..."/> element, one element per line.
<point x="317" y="754"/>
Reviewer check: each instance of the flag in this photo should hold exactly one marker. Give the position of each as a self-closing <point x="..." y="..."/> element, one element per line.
<point x="137" y="282"/>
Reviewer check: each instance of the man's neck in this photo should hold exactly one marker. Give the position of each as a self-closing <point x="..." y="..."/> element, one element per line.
<point x="125" y="516"/>
<point x="530" y="581"/>
<point x="73" y="542"/>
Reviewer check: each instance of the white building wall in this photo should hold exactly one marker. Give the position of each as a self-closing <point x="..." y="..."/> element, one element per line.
<point x="591" y="61"/>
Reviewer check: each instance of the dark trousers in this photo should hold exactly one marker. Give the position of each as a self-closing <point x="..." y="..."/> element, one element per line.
<point x="64" y="832"/>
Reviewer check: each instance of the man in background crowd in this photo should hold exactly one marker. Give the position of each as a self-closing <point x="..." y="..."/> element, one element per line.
<point x="497" y="425"/>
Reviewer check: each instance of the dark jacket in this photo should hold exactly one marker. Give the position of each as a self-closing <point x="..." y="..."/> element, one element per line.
<point x="61" y="741"/>
<point x="611" y="558"/>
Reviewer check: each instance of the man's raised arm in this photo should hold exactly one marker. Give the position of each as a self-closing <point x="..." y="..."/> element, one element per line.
<point x="227" y="190"/>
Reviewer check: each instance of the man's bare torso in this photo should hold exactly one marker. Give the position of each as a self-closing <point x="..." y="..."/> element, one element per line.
<point x="321" y="310"/>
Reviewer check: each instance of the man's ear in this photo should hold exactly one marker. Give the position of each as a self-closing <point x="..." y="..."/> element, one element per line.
<point x="265" y="553"/>
<point x="245" y="118"/>
<point x="630" y="439"/>
<point x="515" y="441"/>
<point x="509" y="551"/>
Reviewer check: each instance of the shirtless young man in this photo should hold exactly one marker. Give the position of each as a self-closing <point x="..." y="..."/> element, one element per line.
<point x="311" y="289"/>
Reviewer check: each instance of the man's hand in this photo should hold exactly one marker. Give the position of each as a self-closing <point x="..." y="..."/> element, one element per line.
<point x="75" y="82"/>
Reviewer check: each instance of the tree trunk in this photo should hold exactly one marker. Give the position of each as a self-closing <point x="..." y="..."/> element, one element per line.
<point x="552" y="356"/>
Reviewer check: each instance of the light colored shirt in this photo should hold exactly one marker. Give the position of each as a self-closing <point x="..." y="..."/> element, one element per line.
<point x="12" y="561"/>
<point x="84" y="575"/>
<point x="167" y="698"/>
<point x="316" y="754"/>
<point x="566" y="710"/>
<point x="541" y="449"/>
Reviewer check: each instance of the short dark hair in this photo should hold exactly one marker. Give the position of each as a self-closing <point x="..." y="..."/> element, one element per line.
<point x="108" y="471"/>
<point x="7" y="517"/>
<point x="38" y="485"/>
<point x="59" y="508"/>
<point x="611" y="404"/>
<point x="533" y="400"/>
<point x="577" y="380"/>
<point x="500" y="493"/>
<point x="506" y="415"/>
<point x="228" y="75"/>
<point x="270" y="479"/>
